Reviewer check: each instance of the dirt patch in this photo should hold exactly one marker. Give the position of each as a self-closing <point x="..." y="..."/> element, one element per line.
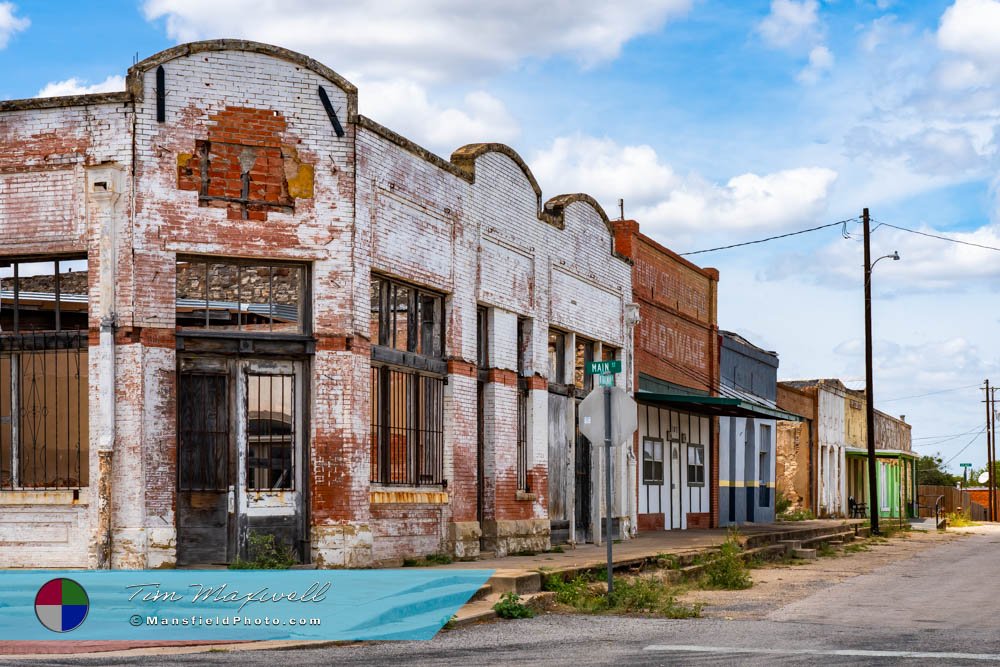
<point x="778" y="584"/>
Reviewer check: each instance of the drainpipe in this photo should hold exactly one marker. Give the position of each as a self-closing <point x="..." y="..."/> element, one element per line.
<point x="105" y="192"/>
<point x="630" y="375"/>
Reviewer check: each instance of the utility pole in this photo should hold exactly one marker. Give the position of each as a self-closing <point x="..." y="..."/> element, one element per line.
<point x="989" y="455"/>
<point x="873" y="505"/>
<point x="992" y="405"/>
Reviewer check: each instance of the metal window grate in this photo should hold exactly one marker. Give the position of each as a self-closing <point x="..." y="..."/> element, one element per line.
<point x="407" y="427"/>
<point x="44" y="421"/>
<point x="522" y="438"/>
<point x="270" y="432"/>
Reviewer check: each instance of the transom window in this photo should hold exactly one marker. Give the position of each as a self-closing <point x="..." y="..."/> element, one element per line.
<point x="406" y="318"/>
<point x="235" y="295"/>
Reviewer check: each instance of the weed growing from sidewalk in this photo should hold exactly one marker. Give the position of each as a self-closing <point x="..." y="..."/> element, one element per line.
<point x="960" y="519"/>
<point x="824" y="550"/>
<point x="727" y="570"/>
<point x="797" y="515"/>
<point x="857" y="547"/>
<point x="264" y="552"/>
<point x="667" y="561"/>
<point x="631" y="595"/>
<point x="432" y="559"/>
<point x="510" y="606"/>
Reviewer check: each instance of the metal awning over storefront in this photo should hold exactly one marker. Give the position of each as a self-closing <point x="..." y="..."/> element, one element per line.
<point x="715" y="406"/>
<point x="881" y="453"/>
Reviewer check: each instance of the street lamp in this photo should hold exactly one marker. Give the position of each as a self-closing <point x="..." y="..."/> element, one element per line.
<point x="869" y="395"/>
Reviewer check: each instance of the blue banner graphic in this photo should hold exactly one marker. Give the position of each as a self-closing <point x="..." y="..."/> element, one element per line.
<point x="149" y="605"/>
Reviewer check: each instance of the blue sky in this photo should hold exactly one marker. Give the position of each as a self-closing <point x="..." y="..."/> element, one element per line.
<point x="717" y="122"/>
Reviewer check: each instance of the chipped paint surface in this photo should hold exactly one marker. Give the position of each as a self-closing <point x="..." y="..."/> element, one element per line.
<point x="476" y="230"/>
<point x="410" y="497"/>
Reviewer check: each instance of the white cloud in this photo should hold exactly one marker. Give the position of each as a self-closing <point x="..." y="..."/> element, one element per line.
<point x="791" y="24"/>
<point x="969" y="28"/>
<point x="75" y="86"/>
<point x="430" y="40"/>
<point x="677" y="207"/>
<point x="404" y="106"/>
<point x="10" y="24"/>
<point x="820" y="62"/>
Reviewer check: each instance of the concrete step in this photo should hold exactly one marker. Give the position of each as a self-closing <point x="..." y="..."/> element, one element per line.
<point x="520" y="583"/>
<point x="484" y="592"/>
<point x="482" y="610"/>
<point x="790" y="545"/>
<point x="805" y="554"/>
<point x="835" y="543"/>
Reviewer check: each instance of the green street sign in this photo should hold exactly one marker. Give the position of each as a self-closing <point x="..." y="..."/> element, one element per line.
<point x="965" y="465"/>
<point x="604" y="367"/>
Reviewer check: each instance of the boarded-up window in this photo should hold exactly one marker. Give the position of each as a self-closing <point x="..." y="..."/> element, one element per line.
<point x="203" y="430"/>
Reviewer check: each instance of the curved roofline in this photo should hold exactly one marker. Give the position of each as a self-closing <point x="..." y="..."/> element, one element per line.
<point x="135" y="72"/>
<point x="553" y="211"/>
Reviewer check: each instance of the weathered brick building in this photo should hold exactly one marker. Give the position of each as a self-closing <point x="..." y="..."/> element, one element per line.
<point x="294" y="321"/>
<point x="676" y="363"/>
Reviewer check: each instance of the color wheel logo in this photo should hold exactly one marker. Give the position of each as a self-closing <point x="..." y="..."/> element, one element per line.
<point x="61" y="605"/>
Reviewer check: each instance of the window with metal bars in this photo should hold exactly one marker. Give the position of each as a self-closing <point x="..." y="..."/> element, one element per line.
<point x="270" y="432"/>
<point x="407" y="427"/>
<point x="522" y="405"/>
<point x="44" y="384"/>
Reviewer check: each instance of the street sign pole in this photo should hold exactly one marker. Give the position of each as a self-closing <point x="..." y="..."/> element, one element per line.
<point x="607" y="484"/>
<point x="607" y="413"/>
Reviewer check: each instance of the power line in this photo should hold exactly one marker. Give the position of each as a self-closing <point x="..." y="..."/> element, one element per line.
<point x="940" y="238"/>
<point x="974" y="438"/>
<point x="773" y="238"/>
<point x="930" y="393"/>
<point x="950" y="435"/>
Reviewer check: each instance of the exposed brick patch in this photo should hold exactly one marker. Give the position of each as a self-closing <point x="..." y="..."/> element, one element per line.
<point x="459" y="367"/>
<point x="244" y="160"/>
<point x="655" y="521"/>
<point x="698" y="520"/>
<point x="504" y="377"/>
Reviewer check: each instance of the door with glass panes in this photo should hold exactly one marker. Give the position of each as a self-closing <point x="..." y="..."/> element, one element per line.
<point x="239" y="456"/>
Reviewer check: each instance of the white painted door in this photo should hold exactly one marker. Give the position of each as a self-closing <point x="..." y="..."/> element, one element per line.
<point x="675" y="485"/>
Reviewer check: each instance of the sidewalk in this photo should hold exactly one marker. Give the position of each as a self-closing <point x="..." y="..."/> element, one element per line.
<point x="521" y="574"/>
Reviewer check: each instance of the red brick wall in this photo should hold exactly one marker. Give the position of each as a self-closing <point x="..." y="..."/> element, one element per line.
<point x="676" y="338"/>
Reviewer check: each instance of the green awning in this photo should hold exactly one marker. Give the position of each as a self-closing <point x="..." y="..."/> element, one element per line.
<point x="715" y="406"/>
<point x="880" y="453"/>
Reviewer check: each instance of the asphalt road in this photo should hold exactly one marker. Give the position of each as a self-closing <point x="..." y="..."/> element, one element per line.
<point x="940" y="606"/>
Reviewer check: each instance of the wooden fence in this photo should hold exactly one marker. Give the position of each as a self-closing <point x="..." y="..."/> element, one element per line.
<point x="955" y="499"/>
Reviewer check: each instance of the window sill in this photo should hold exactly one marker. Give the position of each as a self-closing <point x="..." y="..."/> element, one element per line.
<point x="44" y="497"/>
<point x="433" y="495"/>
<point x="525" y="495"/>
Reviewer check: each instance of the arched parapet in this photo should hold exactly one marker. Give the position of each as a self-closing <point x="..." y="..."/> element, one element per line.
<point x="465" y="159"/>
<point x="135" y="73"/>
<point x="553" y="211"/>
